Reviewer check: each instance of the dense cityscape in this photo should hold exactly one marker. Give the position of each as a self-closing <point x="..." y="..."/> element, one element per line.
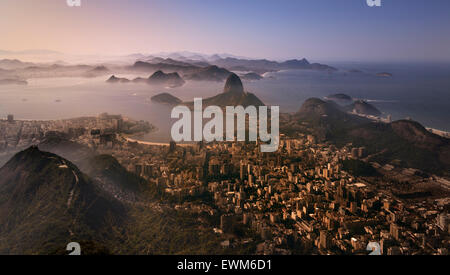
<point x="306" y="198"/>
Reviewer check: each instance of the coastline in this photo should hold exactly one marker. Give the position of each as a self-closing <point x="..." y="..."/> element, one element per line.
<point x="435" y="131"/>
<point x="438" y="132"/>
<point x="156" y="143"/>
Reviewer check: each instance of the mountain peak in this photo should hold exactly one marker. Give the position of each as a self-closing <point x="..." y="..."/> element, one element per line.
<point x="233" y="84"/>
<point x="365" y="108"/>
<point x="31" y="152"/>
<point x="40" y="190"/>
<point x="158" y="73"/>
<point x="171" y="79"/>
<point x="317" y="109"/>
<point x="233" y="95"/>
<point x="114" y="79"/>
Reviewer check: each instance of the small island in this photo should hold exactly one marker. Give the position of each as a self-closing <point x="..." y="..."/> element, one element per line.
<point x="251" y="76"/>
<point x="166" y="98"/>
<point x="114" y="79"/>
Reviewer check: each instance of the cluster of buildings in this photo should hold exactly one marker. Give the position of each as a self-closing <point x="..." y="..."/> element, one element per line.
<point x="99" y="131"/>
<point x="298" y="200"/>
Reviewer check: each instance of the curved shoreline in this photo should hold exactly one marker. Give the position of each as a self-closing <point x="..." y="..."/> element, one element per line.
<point x="155" y="143"/>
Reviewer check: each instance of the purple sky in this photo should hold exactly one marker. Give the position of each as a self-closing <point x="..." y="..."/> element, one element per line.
<point x="399" y="30"/>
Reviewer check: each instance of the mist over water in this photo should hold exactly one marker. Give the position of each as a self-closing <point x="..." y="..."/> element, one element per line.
<point x="419" y="91"/>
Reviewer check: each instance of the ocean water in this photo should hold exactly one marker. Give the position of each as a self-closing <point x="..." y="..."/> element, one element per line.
<point x="418" y="91"/>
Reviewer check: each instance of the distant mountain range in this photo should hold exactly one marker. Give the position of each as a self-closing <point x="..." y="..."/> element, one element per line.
<point x="189" y="66"/>
<point x="190" y="71"/>
<point x="16" y="69"/>
<point x="209" y="73"/>
<point x="230" y="63"/>
<point x="263" y="65"/>
<point x="157" y="78"/>
<point x="166" y="66"/>
<point x="14" y="64"/>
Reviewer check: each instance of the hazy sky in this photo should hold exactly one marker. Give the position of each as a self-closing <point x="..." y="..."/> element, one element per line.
<point x="316" y="29"/>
